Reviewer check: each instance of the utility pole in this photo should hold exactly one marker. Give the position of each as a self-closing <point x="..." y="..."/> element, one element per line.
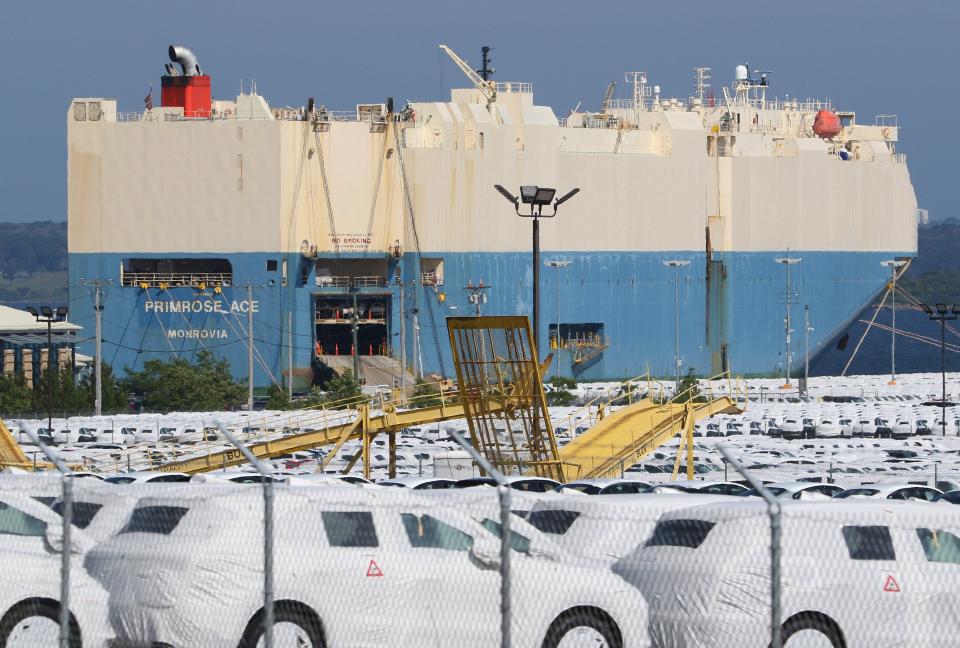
<point x="788" y="303"/>
<point x="477" y="295"/>
<point x="98" y="285"/>
<point x="893" y="264"/>
<point x="559" y="264"/>
<point x="403" y="342"/>
<point x="676" y="264"/>
<point x="417" y="360"/>
<point x="249" y="347"/>
<point x="807" y="329"/>
<point x="290" y="355"/>
<point x="356" y="348"/>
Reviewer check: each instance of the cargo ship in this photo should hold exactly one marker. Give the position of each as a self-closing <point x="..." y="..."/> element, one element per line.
<point x="703" y="227"/>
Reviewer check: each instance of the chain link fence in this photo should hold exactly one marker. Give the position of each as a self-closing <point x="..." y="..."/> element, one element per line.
<point x="288" y="564"/>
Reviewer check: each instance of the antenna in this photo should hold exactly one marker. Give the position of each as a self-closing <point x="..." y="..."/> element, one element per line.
<point x="485" y="70"/>
<point x="701" y="77"/>
<point x="640" y="89"/>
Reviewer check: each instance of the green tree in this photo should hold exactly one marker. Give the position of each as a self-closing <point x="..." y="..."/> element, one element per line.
<point x="343" y="390"/>
<point x="689" y="389"/>
<point x="67" y="396"/>
<point x="559" y="393"/>
<point x="179" y="385"/>
<point x="15" y="396"/>
<point x="277" y="398"/>
<point x="425" y="394"/>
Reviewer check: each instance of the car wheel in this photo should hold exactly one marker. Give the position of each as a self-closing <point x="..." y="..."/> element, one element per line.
<point x="811" y="631"/>
<point x="291" y="627"/>
<point x="35" y="623"/>
<point x="583" y="629"/>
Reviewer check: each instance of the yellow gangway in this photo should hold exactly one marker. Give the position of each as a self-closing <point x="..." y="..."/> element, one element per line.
<point x="625" y="437"/>
<point x="11" y="454"/>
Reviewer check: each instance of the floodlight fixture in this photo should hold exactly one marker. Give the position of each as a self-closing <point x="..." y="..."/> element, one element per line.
<point x="534" y="195"/>
<point x="567" y="196"/>
<point x="62" y="312"/>
<point x="942" y="309"/>
<point x="926" y="309"/>
<point x="46" y="311"/>
<point x="33" y="311"/>
<point x="506" y="194"/>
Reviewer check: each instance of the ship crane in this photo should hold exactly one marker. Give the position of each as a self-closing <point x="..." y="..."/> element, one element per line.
<point x="608" y="97"/>
<point x="488" y="88"/>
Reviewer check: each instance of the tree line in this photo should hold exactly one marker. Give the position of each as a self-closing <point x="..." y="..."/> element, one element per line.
<point x="175" y="385"/>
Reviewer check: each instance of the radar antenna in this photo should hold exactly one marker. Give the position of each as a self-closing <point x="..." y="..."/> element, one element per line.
<point x="486" y="71"/>
<point x="701" y="77"/>
<point x="640" y="89"/>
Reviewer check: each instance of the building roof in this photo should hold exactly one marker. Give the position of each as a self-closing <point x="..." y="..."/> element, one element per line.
<point x="14" y="320"/>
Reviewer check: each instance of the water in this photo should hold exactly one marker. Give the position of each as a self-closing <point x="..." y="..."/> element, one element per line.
<point x="913" y="356"/>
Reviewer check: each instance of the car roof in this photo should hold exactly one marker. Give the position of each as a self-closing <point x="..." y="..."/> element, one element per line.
<point x="863" y="511"/>
<point x="606" y="481"/>
<point x="415" y="480"/>
<point x="626" y="502"/>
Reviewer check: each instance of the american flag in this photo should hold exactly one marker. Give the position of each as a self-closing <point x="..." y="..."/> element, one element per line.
<point x="148" y="100"/>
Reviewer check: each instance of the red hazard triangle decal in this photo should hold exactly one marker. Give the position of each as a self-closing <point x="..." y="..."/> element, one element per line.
<point x="890" y="586"/>
<point x="373" y="569"/>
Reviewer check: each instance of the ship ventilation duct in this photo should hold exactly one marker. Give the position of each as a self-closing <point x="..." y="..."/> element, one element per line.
<point x="186" y="59"/>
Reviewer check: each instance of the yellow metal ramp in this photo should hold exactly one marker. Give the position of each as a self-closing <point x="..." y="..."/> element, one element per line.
<point x="11" y="454"/>
<point x="626" y="436"/>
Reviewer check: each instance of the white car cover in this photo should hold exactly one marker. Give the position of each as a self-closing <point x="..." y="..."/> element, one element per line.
<point x="877" y="573"/>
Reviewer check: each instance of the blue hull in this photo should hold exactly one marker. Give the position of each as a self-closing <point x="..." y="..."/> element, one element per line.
<point x="734" y="317"/>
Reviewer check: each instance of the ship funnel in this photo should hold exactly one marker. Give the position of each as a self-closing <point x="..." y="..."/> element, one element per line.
<point x="186" y="59"/>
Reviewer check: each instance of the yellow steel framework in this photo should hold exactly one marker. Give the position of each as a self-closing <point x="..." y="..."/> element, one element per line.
<point x="626" y="436"/>
<point x="502" y="394"/>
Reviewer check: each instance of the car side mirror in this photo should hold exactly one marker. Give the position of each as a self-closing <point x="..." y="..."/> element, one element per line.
<point x="53" y="540"/>
<point x="486" y="551"/>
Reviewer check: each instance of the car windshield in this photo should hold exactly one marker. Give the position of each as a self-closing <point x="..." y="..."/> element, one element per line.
<point x="517" y="542"/>
<point x="120" y="480"/>
<point x="83" y="512"/>
<point x="554" y="521"/>
<point x="155" y="519"/>
<point x="680" y="533"/>
<point x="588" y="489"/>
<point x="856" y="491"/>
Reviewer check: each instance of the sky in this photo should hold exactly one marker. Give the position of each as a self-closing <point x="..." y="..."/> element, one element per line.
<point x="870" y="56"/>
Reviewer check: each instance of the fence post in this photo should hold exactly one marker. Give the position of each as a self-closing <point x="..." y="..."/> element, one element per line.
<point x="66" y="478"/>
<point x="503" y="490"/>
<point x="268" y="478"/>
<point x="773" y="509"/>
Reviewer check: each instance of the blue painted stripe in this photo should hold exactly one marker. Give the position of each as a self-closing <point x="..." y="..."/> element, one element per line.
<point x="631" y="293"/>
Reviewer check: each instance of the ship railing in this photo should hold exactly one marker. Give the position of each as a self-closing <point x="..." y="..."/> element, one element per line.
<point x="369" y="281"/>
<point x="328" y="281"/>
<point x="886" y="120"/>
<point x="430" y="279"/>
<point x="508" y="87"/>
<point x="176" y="279"/>
<point x="900" y="158"/>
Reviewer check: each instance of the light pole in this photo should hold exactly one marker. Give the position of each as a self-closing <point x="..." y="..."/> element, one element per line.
<point x="49" y="315"/>
<point x="559" y="264"/>
<point x="788" y="294"/>
<point x="942" y="315"/>
<point x="893" y="264"/>
<point x="537" y="198"/>
<point x="676" y="264"/>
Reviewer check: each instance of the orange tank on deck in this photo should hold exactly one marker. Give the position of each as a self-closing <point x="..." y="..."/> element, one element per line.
<point x="826" y="124"/>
